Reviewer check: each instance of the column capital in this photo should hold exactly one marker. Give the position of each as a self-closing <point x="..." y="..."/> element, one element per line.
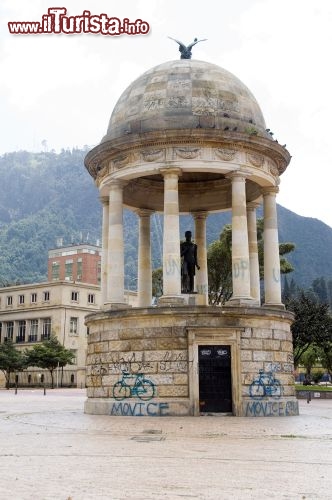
<point x="104" y="200"/>
<point x="165" y="171"/>
<point x="253" y="205"/>
<point x="117" y="183"/>
<point x="143" y="212"/>
<point x="238" y="175"/>
<point x="270" y="190"/>
<point x="202" y="214"/>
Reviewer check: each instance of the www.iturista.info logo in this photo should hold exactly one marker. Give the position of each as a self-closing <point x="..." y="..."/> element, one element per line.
<point x="56" y="22"/>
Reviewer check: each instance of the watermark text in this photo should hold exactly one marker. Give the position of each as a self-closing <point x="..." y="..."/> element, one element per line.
<point x="57" y="22"/>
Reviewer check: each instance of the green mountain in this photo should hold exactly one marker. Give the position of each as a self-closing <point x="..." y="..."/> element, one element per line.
<point x="48" y="198"/>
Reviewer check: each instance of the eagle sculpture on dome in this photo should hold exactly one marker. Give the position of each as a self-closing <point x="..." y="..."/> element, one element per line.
<point x="186" y="50"/>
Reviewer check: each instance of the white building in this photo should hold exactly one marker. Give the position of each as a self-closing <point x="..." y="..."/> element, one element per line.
<point x="31" y="313"/>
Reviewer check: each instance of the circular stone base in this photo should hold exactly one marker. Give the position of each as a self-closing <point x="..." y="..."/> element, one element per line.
<point x="190" y="360"/>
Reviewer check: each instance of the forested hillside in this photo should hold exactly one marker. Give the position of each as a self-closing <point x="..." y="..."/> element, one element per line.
<point x="46" y="198"/>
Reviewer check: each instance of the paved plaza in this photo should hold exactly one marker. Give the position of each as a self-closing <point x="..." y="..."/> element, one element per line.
<point x="50" y="449"/>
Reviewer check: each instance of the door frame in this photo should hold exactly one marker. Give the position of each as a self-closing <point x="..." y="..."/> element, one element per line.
<point x="215" y="336"/>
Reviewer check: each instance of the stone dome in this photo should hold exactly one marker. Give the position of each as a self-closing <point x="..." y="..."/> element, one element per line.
<point x="186" y="94"/>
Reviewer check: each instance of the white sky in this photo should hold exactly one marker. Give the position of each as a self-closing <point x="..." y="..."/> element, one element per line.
<point x="62" y="88"/>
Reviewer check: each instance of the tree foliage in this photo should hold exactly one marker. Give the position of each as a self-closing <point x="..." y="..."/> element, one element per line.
<point x="324" y="352"/>
<point x="11" y="360"/>
<point x="157" y="282"/>
<point x="312" y="325"/>
<point x="49" y="355"/>
<point x="220" y="262"/>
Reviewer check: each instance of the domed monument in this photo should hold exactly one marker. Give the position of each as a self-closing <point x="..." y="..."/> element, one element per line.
<point x="188" y="137"/>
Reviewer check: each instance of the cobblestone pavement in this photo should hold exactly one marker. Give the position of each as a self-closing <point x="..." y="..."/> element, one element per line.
<point x="51" y="450"/>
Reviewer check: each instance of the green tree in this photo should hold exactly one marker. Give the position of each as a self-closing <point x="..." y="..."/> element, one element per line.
<point x="11" y="360"/>
<point x="219" y="257"/>
<point x="312" y="325"/>
<point x="157" y="282"/>
<point x="219" y="261"/>
<point x="325" y="356"/>
<point x="308" y="359"/>
<point x="320" y="288"/>
<point x="49" y="355"/>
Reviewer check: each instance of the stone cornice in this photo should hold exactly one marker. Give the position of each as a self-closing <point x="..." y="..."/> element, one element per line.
<point x="187" y="145"/>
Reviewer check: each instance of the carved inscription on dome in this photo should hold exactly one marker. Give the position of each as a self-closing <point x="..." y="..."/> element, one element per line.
<point x="153" y="154"/>
<point x="204" y="106"/>
<point x="225" y="154"/>
<point x="153" y="103"/>
<point x="187" y="153"/>
<point x="177" y="102"/>
<point x="255" y="159"/>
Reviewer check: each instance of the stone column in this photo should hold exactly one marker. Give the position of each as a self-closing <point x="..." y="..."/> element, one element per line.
<point x="240" y="245"/>
<point x="171" y="241"/>
<point x="104" y="251"/>
<point x="201" y="279"/>
<point x="115" y="258"/>
<point x="253" y="252"/>
<point x="144" y="259"/>
<point x="272" y="284"/>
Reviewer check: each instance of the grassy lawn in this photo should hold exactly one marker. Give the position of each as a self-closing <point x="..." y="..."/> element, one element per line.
<point x="322" y="388"/>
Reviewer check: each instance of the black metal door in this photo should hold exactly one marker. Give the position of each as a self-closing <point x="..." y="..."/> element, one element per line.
<point x="215" y="382"/>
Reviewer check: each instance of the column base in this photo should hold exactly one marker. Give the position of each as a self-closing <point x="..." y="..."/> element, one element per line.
<point x="242" y="301"/>
<point x="171" y="300"/>
<point x="195" y="299"/>
<point x="115" y="305"/>
<point x="274" y="306"/>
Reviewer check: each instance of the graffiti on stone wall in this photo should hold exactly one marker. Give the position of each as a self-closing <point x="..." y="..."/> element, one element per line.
<point x="128" y="362"/>
<point x="240" y="269"/>
<point x="280" y="367"/>
<point x="140" y="409"/>
<point x="133" y="385"/>
<point x="172" y="266"/>
<point x="173" y="362"/>
<point x="265" y="384"/>
<point x="271" y="408"/>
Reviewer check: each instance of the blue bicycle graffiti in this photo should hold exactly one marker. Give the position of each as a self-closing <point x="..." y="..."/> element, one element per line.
<point x="265" y="384"/>
<point x="131" y="385"/>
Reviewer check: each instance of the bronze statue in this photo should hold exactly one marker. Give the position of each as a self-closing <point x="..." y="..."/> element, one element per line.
<point x="188" y="251"/>
<point x="186" y="50"/>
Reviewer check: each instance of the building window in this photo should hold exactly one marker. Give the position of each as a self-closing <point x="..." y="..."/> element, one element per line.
<point x="99" y="272"/>
<point x="33" y="298"/>
<point x="74" y="360"/>
<point x="21" y="299"/>
<point x="33" y="335"/>
<point x="73" y="329"/>
<point x="9" y="300"/>
<point x="74" y="296"/>
<point x="46" y="296"/>
<point x="69" y="269"/>
<point x="55" y="271"/>
<point x="91" y="298"/>
<point x="21" y="331"/>
<point x="79" y="270"/>
<point x="9" y="330"/>
<point x="46" y="330"/>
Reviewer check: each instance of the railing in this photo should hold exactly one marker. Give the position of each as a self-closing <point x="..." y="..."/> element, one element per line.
<point x="33" y="338"/>
<point x="20" y="339"/>
<point x="45" y="336"/>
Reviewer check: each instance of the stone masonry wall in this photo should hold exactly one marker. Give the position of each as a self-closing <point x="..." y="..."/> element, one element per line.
<point x="139" y="362"/>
